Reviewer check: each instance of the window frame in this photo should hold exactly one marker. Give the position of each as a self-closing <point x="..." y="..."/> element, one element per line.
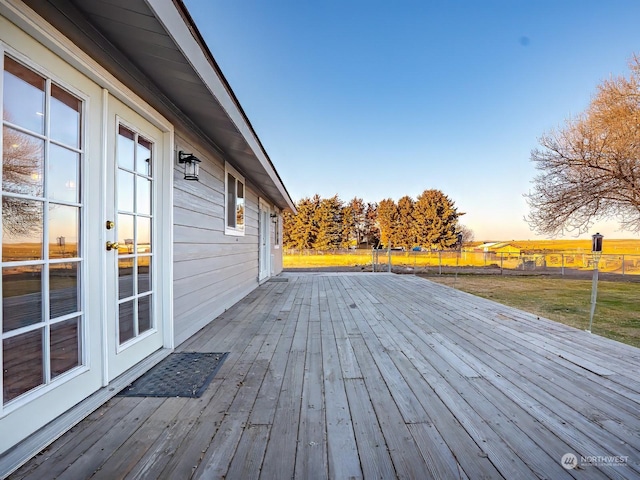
<point x="234" y="230"/>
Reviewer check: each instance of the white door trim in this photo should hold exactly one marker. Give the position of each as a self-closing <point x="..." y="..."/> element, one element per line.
<point x="264" y="240"/>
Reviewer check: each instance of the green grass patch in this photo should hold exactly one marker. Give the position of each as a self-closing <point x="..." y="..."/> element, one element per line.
<point x="567" y="301"/>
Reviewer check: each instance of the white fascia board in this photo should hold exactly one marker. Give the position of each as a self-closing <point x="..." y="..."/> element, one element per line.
<point x="167" y="14"/>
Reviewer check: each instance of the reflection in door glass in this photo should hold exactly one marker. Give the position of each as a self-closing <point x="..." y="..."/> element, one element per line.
<point x="21" y="296"/>
<point x="144" y="313"/>
<point x="64" y="230"/>
<point x="125" y="277"/>
<point x="63" y="289"/>
<point x="143" y="196"/>
<point x="65" y="117"/>
<point x="22" y="364"/>
<point x="22" y="163"/>
<point x="125" y="233"/>
<point x="125" y="191"/>
<point x="125" y="148"/>
<point x="65" y="347"/>
<point x="41" y="210"/>
<point x="22" y="229"/>
<point x="144" y="274"/>
<point x="125" y="322"/>
<point x="143" y="157"/>
<point x="23" y="96"/>
<point x="143" y="244"/>
<point x="135" y="228"/>
<point x="63" y="174"/>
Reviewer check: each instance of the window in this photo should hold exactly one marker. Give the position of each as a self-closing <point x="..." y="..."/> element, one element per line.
<point x="235" y="203"/>
<point x="42" y="153"/>
<point x="276" y="241"/>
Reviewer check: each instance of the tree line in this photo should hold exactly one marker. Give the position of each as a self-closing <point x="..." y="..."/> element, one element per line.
<point x="430" y="221"/>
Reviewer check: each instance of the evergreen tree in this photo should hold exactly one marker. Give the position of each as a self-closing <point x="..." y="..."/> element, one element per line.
<point x="404" y="233"/>
<point x="387" y="219"/>
<point x="348" y="234"/>
<point x="304" y="228"/>
<point x="328" y="219"/>
<point x="371" y="232"/>
<point x="359" y="220"/>
<point x="327" y="223"/>
<point x="288" y="221"/>
<point x="435" y="220"/>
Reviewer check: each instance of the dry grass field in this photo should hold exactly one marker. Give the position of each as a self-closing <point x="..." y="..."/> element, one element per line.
<point x="13" y="252"/>
<point x="609" y="246"/>
<point x="619" y="256"/>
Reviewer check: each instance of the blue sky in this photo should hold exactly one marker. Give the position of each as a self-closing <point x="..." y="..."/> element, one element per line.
<point x="380" y="99"/>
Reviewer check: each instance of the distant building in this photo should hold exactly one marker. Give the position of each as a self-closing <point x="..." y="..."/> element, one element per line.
<point x="499" y="247"/>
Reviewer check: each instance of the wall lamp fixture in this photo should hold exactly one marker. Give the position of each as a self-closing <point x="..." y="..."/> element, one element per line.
<point x="191" y="167"/>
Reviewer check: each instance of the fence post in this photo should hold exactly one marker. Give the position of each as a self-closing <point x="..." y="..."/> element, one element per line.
<point x="501" y="259"/>
<point x="389" y="252"/>
<point x="373" y="260"/>
<point x="623" y="264"/>
<point x="562" y="267"/>
<point x="439" y="262"/>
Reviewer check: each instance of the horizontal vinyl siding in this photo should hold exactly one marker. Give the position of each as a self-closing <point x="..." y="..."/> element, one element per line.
<point x="211" y="270"/>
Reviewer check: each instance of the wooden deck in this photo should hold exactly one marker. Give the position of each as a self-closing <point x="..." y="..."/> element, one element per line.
<point x="374" y="376"/>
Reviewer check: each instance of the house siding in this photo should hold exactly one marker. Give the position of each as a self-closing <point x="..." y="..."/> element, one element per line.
<point x="211" y="270"/>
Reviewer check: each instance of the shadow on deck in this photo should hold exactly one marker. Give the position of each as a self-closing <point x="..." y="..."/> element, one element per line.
<point x="374" y="376"/>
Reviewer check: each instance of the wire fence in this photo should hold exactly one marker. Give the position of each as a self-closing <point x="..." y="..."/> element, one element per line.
<point x="559" y="263"/>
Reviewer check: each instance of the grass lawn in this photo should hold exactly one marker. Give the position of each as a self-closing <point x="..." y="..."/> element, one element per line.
<point x="567" y="301"/>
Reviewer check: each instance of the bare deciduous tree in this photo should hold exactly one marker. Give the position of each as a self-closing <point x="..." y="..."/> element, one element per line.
<point x="467" y="234"/>
<point x="21" y="174"/>
<point x="590" y="169"/>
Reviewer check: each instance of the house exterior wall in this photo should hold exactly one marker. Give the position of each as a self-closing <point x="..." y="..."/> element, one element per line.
<point x="212" y="270"/>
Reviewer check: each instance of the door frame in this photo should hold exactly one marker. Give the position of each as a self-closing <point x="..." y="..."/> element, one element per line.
<point x="264" y="231"/>
<point x="162" y="235"/>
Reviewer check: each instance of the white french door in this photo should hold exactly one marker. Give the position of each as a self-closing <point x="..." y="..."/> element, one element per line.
<point x="133" y="321"/>
<point x="264" y="253"/>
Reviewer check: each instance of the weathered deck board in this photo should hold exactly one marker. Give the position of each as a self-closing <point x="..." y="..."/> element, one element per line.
<point x="373" y="376"/>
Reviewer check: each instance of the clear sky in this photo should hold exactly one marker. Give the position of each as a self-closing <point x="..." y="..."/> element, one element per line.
<point x="380" y="99"/>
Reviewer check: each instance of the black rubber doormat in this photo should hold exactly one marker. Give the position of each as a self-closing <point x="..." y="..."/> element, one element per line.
<point x="181" y="374"/>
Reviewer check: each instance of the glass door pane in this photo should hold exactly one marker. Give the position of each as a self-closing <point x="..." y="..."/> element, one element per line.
<point x="134" y="158"/>
<point x="42" y="317"/>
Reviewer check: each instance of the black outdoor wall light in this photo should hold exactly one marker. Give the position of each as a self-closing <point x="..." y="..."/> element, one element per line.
<point x="191" y="167"/>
